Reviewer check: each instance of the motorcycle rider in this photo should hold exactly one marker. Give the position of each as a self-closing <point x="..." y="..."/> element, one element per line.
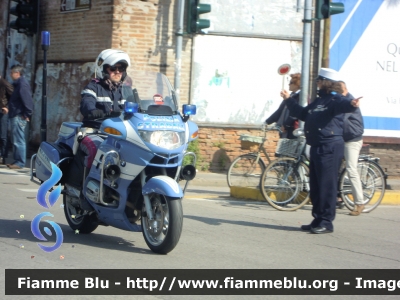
<point x="100" y="97"/>
<point x="104" y="93"/>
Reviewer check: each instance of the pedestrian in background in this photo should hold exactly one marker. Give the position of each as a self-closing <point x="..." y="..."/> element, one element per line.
<point x="324" y="133"/>
<point x="281" y="116"/>
<point x="20" y="109"/>
<point x="353" y="129"/>
<point x="6" y="90"/>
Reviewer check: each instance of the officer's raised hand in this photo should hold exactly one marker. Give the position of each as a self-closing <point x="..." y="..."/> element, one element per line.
<point x="285" y="94"/>
<point x="356" y="102"/>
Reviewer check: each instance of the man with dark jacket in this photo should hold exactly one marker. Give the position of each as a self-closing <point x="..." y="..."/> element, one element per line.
<point x="6" y="90"/>
<point x="281" y="116"/>
<point x="353" y="130"/>
<point x="20" y="109"/>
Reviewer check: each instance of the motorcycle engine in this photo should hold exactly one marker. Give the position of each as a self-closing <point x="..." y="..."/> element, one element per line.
<point x="110" y="197"/>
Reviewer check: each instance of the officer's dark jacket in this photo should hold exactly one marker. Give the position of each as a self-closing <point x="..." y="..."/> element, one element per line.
<point x="323" y="117"/>
<point x="97" y="95"/>
<point x="353" y="124"/>
<point x="21" y="102"/>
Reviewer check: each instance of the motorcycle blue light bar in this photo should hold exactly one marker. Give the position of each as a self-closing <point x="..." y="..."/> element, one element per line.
<point x="189" y="109"/>
<point x="45" y="38"/>
<point x="131" y="107"/>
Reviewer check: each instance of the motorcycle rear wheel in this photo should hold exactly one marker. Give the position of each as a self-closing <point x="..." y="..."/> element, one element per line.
<point x="163" y="233"/>
<point x="76" y="218"/>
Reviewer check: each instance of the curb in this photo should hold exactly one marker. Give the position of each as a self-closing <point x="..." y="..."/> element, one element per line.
<point x="392" y="197"/>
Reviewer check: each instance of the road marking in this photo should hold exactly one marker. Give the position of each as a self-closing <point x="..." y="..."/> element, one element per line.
<point x="28" y="190"/>
<point x="201" y="196"/>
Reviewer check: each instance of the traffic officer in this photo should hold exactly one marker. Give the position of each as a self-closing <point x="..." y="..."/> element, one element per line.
<point x="324" y="133"/>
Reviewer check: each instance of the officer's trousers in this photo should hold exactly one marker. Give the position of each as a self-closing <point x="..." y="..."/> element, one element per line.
<point x="325" y="162"/>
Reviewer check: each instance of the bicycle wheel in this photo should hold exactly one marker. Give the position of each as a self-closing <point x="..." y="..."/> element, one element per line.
<point x="245" y="172"/>
<point x="284" y="187"/>
<point x="373" y="185"/>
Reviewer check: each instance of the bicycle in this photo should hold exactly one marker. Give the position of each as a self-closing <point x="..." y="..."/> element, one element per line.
<point x="373" y="180"/>
<point x="285" y="181"/>
<point x="246" y="169"/>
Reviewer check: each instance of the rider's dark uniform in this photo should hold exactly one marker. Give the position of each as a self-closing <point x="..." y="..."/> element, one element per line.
<point x="323" y="130"/>
<point x="98" y="95"/>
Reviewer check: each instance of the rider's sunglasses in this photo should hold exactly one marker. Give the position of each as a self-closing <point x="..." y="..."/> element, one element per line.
<point x="115" y="68"/>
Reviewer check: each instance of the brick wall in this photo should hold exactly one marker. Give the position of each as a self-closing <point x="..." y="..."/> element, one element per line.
<point x="144" y="29"/>
<point x="389" y="155"/>
<point x="218" y="147"/>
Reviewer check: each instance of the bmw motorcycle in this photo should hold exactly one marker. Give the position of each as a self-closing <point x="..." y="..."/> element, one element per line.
<point x="130" y="170"/>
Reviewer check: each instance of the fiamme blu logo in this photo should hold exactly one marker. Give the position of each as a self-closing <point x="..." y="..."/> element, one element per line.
<point x="54" y="194"/>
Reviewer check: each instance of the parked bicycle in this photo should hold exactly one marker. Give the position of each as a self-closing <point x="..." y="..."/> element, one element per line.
<point x="285" y="181"/>
<point x="246" y="169"/>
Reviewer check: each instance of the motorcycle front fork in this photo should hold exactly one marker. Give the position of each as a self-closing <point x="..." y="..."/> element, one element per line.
<point x="146" y="198"/>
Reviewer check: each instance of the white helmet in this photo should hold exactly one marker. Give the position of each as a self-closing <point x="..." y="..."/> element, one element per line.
<point x="110" y="57"/>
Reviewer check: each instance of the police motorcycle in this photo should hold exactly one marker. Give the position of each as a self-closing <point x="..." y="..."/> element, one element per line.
<point x="132" y="165"/>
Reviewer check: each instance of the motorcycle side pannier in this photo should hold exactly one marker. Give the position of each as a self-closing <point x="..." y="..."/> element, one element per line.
<point x="51" y="152"/>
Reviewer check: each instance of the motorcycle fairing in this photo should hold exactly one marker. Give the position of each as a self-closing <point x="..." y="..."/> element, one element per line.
<point x="163" y="185"/>
<point x="126" y="130"/>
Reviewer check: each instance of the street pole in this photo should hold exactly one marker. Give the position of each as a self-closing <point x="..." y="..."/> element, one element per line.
<point x="326" y="41"/>
<point x="178" y="51"/>
<point x="305" y="62"/>
<point x="45" y="47"/>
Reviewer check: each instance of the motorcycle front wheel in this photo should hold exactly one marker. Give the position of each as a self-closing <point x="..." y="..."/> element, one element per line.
<point x="163" y="233"/>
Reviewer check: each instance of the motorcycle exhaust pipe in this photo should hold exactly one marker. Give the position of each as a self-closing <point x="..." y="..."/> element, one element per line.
<point x="188" y="172"/>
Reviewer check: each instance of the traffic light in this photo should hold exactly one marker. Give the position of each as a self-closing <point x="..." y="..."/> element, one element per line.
<point x="195" y="9"/>
<point x="325" y="8"/>
<point x="27" y="16"/>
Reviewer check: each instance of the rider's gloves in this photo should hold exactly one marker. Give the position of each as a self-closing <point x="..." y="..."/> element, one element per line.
<point x="97" y="113"/>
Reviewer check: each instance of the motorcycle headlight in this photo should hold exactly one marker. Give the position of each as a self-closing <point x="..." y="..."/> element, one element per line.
<point x="164" y="139"/>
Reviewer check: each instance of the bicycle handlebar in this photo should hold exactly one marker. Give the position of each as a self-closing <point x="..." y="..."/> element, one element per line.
<point x="265" y="127"/>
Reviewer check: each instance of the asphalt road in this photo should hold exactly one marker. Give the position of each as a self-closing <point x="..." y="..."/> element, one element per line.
<point x="218" y="233"/>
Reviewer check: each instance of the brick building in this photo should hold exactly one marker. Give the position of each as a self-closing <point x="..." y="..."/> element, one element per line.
<point x="145" y="29"/>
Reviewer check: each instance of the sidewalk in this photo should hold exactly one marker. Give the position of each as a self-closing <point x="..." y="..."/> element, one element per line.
<point x="392" y="193"/>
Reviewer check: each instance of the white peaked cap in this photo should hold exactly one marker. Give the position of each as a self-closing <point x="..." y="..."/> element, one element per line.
<point x="329" y="74"/>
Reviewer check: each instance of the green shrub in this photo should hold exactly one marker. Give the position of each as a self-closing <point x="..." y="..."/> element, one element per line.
<point x="193" y="147"/>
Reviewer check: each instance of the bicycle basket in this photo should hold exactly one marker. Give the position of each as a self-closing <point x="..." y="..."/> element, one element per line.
<point x="248" y="141"/>
<point x="287" y="147"/>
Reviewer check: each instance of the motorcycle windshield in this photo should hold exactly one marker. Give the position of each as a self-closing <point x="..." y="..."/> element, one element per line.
<point x="149" y="88"/>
